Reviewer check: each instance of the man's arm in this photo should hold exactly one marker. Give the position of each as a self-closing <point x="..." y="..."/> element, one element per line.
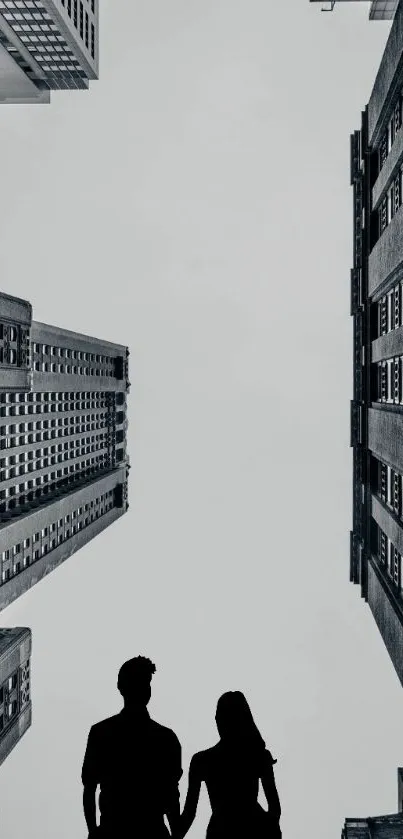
<point x="90" y="777"/>
<point x="173" y="798"/>
<point x="192" y="798"/>
<point x="90" y="808"/>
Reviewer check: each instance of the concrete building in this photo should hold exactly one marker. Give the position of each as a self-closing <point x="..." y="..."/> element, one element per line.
<point x="377" y="310"/>
<point x="379" y="9"/>
<point x="63" y="459"/>
<point x="377" y="827"/>
<point x="15" y="687"/>
<point x="47" y="45"/>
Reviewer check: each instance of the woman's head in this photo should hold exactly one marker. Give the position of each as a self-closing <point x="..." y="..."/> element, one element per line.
<point x="235" y="722"/>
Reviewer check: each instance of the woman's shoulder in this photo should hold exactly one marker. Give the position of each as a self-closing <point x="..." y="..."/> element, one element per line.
<point x="201" y="759"/>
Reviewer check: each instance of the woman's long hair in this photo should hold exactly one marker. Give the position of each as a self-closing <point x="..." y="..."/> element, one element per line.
<point x="236" y="726"/>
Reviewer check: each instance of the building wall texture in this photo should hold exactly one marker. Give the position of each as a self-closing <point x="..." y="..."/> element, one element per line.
<point x="15" y="687"/>
<point x="387" y="617"/>
<point x="63" y="456"/>
<point x="387" y="80"/>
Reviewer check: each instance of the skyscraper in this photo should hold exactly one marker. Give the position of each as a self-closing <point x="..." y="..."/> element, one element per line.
<point x="46" y="45"/>
<point x="379" y="9"/>
<point x="377" y="827"/>
<point x="377" y="310"/>
<point x="63" y="459"/>
<point x="15" y="687"/>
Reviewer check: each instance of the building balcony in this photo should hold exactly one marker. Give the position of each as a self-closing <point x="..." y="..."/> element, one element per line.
<point x="387" y="255"/>
<point x="388" y="346"/>
<point x="387" y="521"/>
<point x="385" y="434"/>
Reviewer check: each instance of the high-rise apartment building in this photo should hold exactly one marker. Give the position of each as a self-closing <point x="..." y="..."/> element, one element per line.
<point x="63" y="459"/>
<point x="46" y="45"/>
<point x="377" y="827"/>
<point x="377" y="310"/>
<point x="15" y="687"/>
<point x="379" y="9"/>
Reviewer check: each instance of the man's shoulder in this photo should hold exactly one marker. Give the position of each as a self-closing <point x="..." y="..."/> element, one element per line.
<point x="163" y="732"/>
<point x="108" y="724"/>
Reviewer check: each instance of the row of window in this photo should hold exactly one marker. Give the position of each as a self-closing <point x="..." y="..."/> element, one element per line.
<point x="54" y="408"/>
<point x="21" y="555"/>
<point x="57" y="404"/>
<point x="73" y="9"/>
<point x="55" y="396"/>
<point x="14" y="344"/>
<point x="77" y="450"/>
<point x="47" y="451"/>
<point x="390" y="310"/>
<point x="14" y="695"/>
<point x="391" y="131"/>
<point x="389" y="385"/>
<point x="77" y="427"/>
<point x="45" y="487"/>
<point x="390" y="558"/>
<point x="71" y="422"/>
<point x="69" y="369"/>
<point x="391" y="202"/>
<point x="65" y="352"/>
<point x="16" y="441"/>
<point x="40" y="35"/>
<point x="7" y="687"/>
<point x="82" y="465"/>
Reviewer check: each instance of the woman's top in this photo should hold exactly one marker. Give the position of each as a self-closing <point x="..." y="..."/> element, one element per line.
<point x="232" y="774"/>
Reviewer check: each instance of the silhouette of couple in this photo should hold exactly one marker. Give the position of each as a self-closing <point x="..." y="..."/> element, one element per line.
<point x="137" y="764"/>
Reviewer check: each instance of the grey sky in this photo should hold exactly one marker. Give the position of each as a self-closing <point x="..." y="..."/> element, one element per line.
<point x="195" y="204"/>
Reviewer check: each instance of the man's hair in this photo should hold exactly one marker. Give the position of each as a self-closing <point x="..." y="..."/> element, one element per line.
<point x="135" y="674"/>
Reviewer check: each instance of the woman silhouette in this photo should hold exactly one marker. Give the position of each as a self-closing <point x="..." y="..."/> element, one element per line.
<point x="231" y="771"/>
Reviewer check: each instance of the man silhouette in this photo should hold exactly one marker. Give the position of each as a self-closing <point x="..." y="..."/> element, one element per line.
<point x="137" y="764"/>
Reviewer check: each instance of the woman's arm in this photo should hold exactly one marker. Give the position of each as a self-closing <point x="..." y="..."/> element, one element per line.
<point x="270" y="791"/>
<point x="192" y="798"/>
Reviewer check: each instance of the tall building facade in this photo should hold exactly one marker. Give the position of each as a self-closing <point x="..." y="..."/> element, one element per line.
<point x="377" y="311"/>
<point x="15" y="687"/>
<point x="63" y="457"/>
<point x="47" y="45"/>
<point x="377" y="827"/>
<point x="379" y="9"/>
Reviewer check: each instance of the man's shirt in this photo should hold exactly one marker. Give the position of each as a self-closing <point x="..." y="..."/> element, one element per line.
<point x="137" y="764"/>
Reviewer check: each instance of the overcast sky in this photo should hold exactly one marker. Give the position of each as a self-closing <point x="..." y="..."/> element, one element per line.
<point x="195" y="204"/>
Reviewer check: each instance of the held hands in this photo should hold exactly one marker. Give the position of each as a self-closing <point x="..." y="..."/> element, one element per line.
<point x="275" y="831"/>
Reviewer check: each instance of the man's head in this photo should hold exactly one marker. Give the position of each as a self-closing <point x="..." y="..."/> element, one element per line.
<point x="134" y="680"/>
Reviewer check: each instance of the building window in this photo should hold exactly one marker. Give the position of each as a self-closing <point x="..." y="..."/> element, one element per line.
<point x="397" y="305"/>
<point x="383" y="546"/>
<point x="397" y="116"/>
<point x="383" y="150"/>
<point x="382" y="381"/>
<point x="383" y="215"/>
